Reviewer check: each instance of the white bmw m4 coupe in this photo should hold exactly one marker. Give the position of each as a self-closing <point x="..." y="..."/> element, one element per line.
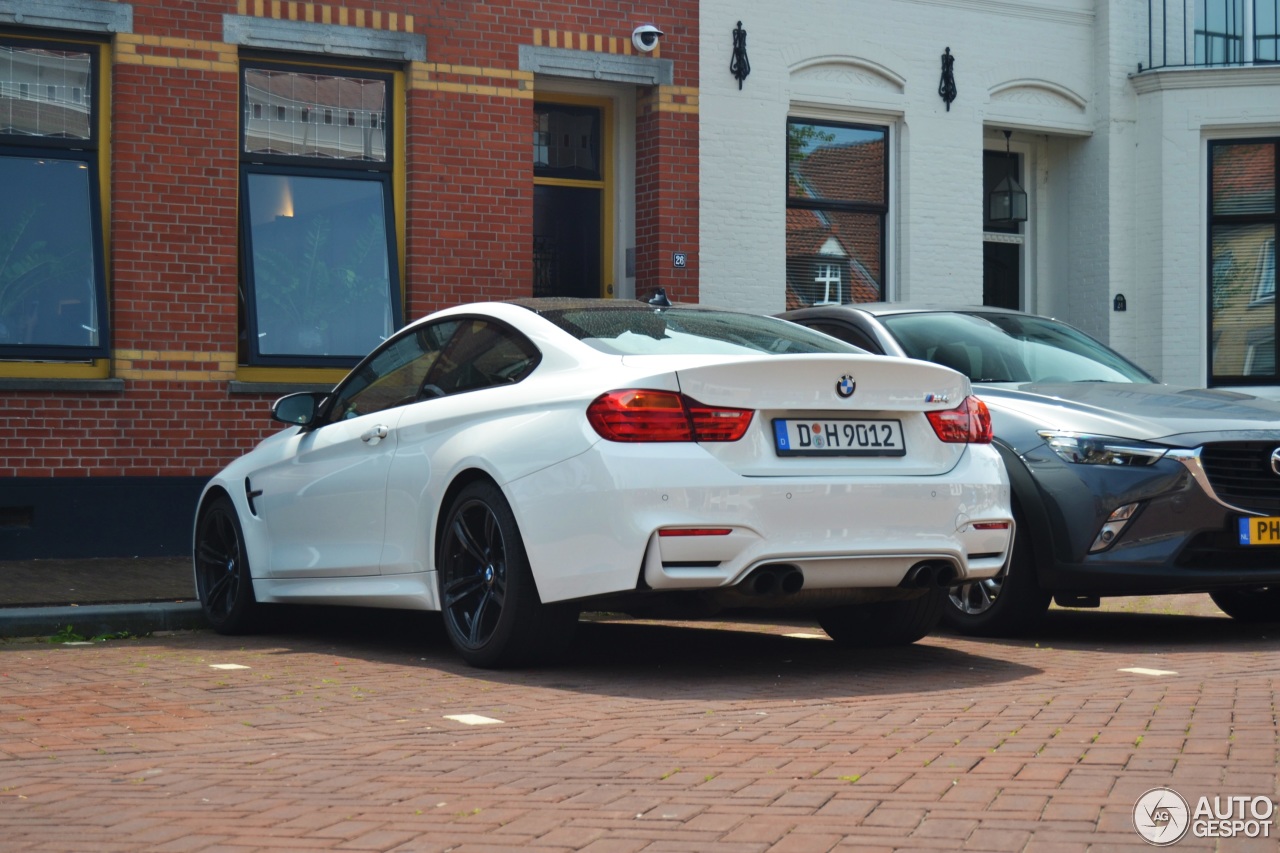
<point x="512" y="464"/>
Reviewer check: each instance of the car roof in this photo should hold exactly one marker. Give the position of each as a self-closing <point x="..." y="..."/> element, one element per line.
<point x="882" y="309"/>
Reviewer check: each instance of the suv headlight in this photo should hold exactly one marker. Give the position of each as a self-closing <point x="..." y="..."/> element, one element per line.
<point x="1101" y="449"/>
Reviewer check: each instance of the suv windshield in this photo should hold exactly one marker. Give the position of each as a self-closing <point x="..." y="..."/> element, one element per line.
<point x="625" y="329"/>
<point x="1010" y="348"/>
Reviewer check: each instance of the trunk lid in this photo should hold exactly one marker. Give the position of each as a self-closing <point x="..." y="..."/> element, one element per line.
<point x="826" y="391"/>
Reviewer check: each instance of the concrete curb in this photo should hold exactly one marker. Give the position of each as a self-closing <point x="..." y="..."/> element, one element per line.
<point x="94" y="619"/>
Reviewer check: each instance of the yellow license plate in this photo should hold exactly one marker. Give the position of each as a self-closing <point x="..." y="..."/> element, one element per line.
<point x="1260" y="531"/>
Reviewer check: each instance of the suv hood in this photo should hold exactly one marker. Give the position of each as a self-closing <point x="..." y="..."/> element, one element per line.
<point x="1183" y="417"/>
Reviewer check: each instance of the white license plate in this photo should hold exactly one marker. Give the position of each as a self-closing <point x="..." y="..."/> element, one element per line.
<point x="1260" y="531"/>
<point x="794" y="437"/>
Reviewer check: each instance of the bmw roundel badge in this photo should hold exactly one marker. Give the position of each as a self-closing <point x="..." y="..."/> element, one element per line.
<point x="845" y="386"/>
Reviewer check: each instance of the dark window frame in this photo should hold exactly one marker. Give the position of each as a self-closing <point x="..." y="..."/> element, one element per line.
<point x="86" y="151"/>
<point x="293" y="165"/>
<point x="877" y="209"/>
<point x="1214" y="220"/>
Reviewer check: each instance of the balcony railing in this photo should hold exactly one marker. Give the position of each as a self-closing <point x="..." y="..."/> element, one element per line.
<point x="1211" y="33"/>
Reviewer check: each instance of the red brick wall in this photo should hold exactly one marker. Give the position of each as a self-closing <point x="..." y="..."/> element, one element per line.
<point x="173" y="214"/>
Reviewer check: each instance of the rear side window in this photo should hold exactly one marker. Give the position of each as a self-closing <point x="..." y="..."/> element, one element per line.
<point x="435" y="360"/>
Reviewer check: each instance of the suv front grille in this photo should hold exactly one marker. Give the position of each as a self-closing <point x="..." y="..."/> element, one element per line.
<point x="1241" y="474"/>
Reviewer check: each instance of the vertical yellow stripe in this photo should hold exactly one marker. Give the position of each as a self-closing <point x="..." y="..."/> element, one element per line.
<point x="309" y="13"/>
<point x="242" y="7"/>
<point x="537" y="36"/>
<point x="293" y="10"/>
<point x="275" y="9"/>
<point x="326" y="14"/>
<point x="359" y="17"/>
<point x="393" y="21"/>
<point x="408" y="23"/>
<point x="342" y="16"/>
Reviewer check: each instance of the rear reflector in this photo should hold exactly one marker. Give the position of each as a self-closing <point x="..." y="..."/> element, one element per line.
<point x="637" y="414"/>
<point x="968" y="423"/>
<point x="991" y="525"/>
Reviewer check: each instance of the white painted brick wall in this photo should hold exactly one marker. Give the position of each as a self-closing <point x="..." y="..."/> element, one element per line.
<point x="1117" y="177"/>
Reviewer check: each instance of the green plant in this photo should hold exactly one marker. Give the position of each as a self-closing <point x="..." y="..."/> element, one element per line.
<point x="66" y="634"/>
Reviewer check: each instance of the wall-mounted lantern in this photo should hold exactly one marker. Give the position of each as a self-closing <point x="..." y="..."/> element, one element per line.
<point x="739" y="66"/>
<point x="947" y="82"/>
<point x="1008" y="201"/>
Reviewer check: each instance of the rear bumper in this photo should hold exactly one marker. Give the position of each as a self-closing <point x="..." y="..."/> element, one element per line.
<point x="842" y="533"/>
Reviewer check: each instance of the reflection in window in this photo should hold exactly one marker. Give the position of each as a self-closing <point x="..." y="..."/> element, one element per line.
<point x="566" y="141"/>
<point x="837" y="204"/>
<point x="290" y="96"/>
<point x="1242" y="237"/>
<point x="321" y="278"/>
<point x="41" y="92"/>
<point x="1236" y="31"/>
<point x="52" y="281"/>
<point x="48" y="292"/>
<point x="436" y="360"/>
<point x="321" y="272"/>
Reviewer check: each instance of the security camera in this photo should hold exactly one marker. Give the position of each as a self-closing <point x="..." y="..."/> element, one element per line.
<point x="645" y="37"/>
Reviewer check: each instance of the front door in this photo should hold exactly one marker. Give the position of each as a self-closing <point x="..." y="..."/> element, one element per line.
<point x="324" y="504"/>
<point x="1001" y="241"/>
<point x="571" y="191"/>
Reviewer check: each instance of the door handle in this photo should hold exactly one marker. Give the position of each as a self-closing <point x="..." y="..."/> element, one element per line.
<point x="374" y="434"/>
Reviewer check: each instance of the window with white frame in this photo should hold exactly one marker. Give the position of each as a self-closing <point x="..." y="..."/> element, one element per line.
<point x="317" y="217"/>
<point x="837" y="209"/>
<point x="52" y="272"/>
<point x="1243" y="221"/>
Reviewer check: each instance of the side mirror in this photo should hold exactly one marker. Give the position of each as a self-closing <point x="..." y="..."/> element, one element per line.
<point x="299" y="409"/>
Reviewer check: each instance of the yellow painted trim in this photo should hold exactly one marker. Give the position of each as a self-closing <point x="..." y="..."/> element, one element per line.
<point x="489" y="82"/>
<point x="301" y="375"/>
<point x="605" y="184"/>
<point x="205" y="366"/>
<point x="99" y="368"/>
<point x="219" y="57"/>
<point x="580" y="183"/>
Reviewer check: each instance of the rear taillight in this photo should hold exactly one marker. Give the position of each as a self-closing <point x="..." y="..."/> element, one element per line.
<point x="641" y="415"/>
<point x="968" y="423"/>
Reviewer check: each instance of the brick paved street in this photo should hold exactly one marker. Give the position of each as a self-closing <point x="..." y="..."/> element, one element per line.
<point x="359" y="731"/>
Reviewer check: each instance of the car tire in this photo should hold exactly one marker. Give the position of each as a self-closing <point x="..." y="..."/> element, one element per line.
<point x="492" y="612"/>
<point x="1006" y="605"/>
<point x="1249" y="604"/>
<point x="899" y="622"/>
<point x="224" y="582"/>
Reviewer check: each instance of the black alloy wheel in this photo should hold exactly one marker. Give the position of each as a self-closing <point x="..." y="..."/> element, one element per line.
<point x="224" y="583"/>
<point x="492" y="612"/>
